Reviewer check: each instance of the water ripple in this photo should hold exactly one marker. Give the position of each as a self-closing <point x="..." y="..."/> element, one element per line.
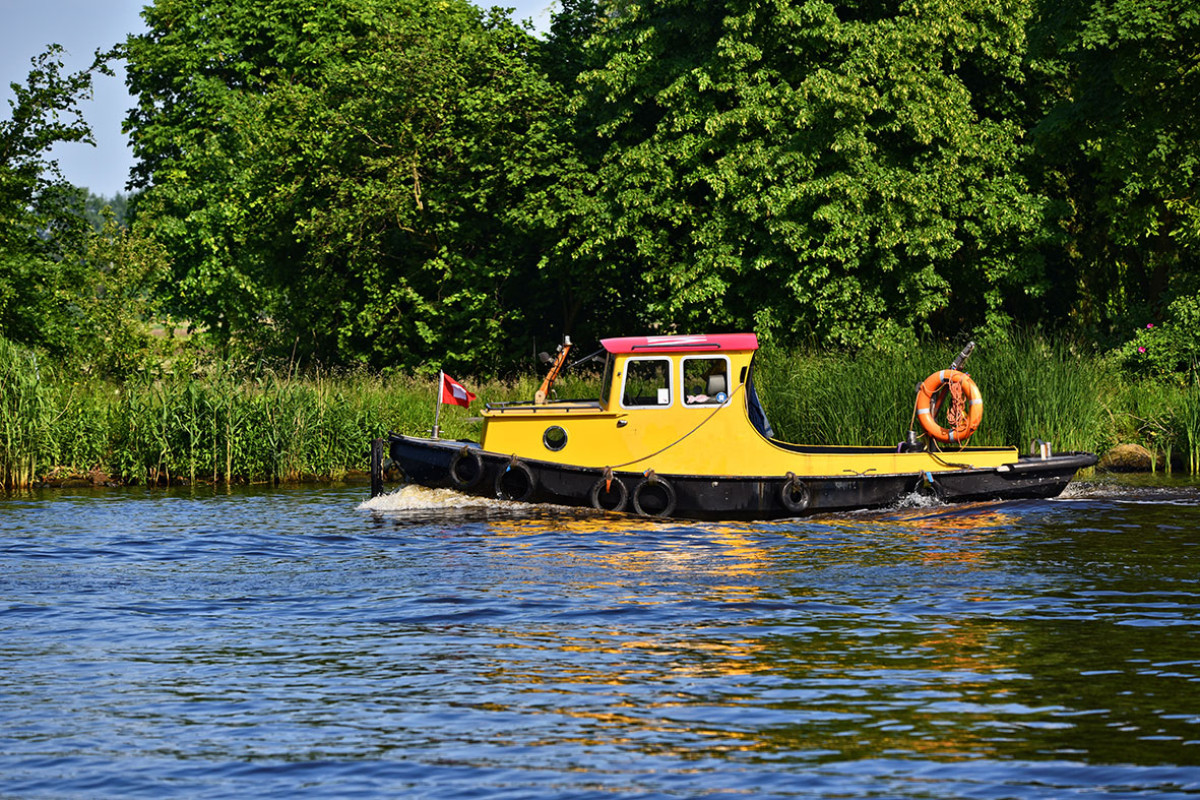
<point x="275" y="642"/>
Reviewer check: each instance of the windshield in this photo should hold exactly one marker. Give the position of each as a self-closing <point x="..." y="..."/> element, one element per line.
<point x="606" y="384"/>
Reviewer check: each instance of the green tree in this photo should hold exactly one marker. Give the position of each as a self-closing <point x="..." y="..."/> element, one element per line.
<point x="122" y="269"/>
<point x="1120" y="146"/>
<point x="42" y="228"/>
<point x="841" y="172"/>
<point x="347" y="180"/>
<point x="119" y="205"/>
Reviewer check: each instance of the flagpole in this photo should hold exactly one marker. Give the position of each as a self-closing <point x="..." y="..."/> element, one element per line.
<point x="438" y="410"/>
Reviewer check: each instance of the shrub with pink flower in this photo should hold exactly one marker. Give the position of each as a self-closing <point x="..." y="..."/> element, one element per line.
<point x="1169" y="347"/>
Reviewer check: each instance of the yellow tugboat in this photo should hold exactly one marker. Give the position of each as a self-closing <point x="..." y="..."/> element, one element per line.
<point x="678" y="431"/>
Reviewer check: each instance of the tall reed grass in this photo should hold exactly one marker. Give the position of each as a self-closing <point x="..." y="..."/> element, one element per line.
<point x="1041" y="390"/>
<point x="1190" y="420"/>
<point x="268" y="428"/>
<point x="1163" y="416"/>
<point x="1032" y="390"/>
<point x="23" y="414"/>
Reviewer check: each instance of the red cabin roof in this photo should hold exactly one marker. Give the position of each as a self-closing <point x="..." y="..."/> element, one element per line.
<point x="681" y="344"/>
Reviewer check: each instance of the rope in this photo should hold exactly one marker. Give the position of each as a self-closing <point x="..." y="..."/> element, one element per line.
<point x="686" y="435"/>
<point x="956" y="415"/>
<point x="946" y="463"/>
<point x="958" y="403"/>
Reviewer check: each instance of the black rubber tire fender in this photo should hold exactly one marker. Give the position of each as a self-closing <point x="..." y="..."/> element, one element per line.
<point x="927" y="486"/>
<point x="654" y="484"/>
<point x="475" y="460"/>
<point x="794" y="494"/>
<point x="601" y="487"/>
<point x="526" y="477"/>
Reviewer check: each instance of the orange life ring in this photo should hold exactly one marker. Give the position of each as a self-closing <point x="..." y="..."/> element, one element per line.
<point x="969" y="422"/>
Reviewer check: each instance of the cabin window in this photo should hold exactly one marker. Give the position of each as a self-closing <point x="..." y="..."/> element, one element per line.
<point x="647" y="383"/>
<point x="705" y="380"/>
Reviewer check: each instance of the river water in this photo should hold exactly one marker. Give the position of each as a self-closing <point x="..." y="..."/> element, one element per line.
<point x="283" y="642"/>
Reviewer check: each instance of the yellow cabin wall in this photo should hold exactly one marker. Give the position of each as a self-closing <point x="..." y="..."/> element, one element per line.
<point x="726" y="444"/>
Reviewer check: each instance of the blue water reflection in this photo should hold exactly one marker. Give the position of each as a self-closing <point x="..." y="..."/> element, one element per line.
<point x="282" y="642"/>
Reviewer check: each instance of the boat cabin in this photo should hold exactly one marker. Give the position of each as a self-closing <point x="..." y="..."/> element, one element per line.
<point x="654" y="391"/>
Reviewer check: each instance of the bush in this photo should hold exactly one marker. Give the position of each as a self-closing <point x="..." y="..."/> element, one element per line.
<point x="1168" y="349"/>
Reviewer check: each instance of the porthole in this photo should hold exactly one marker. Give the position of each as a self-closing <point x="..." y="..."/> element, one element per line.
<point x="555" y="438"/>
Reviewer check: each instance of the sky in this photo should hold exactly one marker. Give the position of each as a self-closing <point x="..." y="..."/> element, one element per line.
<point x="82" y="27"/>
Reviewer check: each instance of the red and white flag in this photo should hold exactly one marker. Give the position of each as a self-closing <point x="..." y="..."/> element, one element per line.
<point x="455" y="393"/>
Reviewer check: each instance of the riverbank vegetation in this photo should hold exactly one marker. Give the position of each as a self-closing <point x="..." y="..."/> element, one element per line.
<point x="326" y="198"/>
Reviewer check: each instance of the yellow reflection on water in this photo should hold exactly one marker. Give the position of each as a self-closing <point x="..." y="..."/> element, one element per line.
<point x="840" y="676"/>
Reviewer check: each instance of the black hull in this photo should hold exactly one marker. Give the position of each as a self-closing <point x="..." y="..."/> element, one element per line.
<point x="463" y="466"/>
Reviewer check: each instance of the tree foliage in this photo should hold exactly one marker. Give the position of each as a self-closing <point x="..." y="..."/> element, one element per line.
<point x="805" y="168"/>
<point x="345" y="178"/>
<point x="1120" y="143"/>
<point x="400" y="183"/>
<point x="42" y="228"/>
